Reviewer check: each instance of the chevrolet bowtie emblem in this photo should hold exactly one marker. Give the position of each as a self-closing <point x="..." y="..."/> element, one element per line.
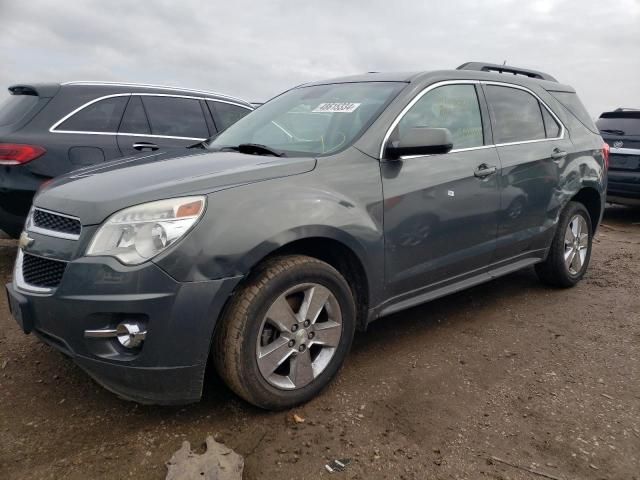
<point x="25" y="240"/>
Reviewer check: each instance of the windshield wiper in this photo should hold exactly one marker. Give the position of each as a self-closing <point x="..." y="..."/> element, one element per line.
<point x="257" y="149"/>
<point x="615" y="132"/>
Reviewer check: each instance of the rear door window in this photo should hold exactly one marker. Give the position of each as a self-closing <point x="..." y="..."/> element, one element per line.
<point x="516" y="115"/>
<point x="176" y="117"/>
<point x="226" y="114"/>
<point x="15" y="107"/>
<point x="135" y="118"/>
<point x="102" y="116"/>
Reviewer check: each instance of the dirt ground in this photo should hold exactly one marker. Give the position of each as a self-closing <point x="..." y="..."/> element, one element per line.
<point x="489" y="383"/>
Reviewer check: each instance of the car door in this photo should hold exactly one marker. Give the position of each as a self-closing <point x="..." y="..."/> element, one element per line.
<point x="532" y="146"/>
<point x="440" y="211"/>
<point x="161" y="122"/>
<point x="88" y="135"/>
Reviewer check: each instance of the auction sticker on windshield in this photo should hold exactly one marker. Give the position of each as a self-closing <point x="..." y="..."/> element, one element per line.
<point x="345" y="107"/>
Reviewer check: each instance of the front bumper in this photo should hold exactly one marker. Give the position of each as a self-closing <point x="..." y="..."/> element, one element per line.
<point x="98" y="293"/>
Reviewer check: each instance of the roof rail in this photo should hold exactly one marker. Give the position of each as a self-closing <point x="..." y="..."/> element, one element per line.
<point x="492" y="67"/>
<point x="148" y="85"/>
<point x="623" y="109"/>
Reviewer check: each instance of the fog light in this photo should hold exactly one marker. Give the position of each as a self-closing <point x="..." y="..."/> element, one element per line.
<point x="129" y="334"/>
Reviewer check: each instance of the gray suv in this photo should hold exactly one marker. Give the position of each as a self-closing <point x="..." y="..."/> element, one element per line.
<point x="50" y="129"/>
<point x="334" y="204"/>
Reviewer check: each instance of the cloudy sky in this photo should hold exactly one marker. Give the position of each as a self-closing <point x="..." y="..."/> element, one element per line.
<point x="255" y="49"/>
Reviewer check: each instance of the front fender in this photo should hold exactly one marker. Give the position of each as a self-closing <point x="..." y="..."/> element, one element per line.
<point x="243" y="225"/>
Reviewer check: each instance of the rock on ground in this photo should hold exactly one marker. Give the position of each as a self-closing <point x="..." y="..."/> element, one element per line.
<point x="218" y="462"/>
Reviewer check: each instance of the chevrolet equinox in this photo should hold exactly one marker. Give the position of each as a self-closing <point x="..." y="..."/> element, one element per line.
<point x="334" y="204"/>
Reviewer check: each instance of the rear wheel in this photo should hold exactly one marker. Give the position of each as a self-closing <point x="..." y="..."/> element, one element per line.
<point x="570" y="250"/>
<point x="286" y="333"/>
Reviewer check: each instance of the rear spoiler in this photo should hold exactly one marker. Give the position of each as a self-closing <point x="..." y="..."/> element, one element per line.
<point x="45" y="90"/>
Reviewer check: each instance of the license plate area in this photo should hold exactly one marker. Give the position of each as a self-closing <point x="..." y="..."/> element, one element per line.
<point x="624" y="162"/>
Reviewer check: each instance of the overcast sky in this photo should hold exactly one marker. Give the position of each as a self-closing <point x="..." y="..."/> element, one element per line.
<point x="256" y="49"/>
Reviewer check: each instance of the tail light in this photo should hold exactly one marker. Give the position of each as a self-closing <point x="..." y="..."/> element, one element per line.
<point x="605" y="153"/>
<point x="18" y="154"/>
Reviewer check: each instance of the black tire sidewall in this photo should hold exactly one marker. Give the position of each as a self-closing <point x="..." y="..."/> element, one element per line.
<point x="265" y="394"/>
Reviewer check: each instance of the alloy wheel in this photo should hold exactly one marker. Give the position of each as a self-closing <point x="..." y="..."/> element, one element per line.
<point x="576" y="244"/>
<point x="299" y="336"/>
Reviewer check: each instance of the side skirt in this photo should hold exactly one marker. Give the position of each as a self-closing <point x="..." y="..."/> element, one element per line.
<point x="396" y="304"/>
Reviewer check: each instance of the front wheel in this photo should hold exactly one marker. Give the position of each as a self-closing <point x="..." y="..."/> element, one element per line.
<point x="570" y="250"/>
<point x="286" y="332"/>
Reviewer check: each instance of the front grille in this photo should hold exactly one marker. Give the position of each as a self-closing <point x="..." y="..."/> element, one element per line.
<point x="56" y="223"/>
<point x="42" y="272"/>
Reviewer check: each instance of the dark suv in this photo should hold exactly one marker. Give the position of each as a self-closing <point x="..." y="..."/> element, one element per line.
<point x="50" y="129"/>
<point x="621" y="130"/>
<point x="334" y="204"/>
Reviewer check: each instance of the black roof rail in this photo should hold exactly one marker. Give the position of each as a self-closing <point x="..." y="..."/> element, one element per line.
<point x="493" y="67"/>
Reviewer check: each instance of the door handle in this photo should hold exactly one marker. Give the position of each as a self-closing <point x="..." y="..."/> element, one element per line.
<point x="144" y="146"/>
<point x="485" y="170"/>
<point x="558" y="154"/>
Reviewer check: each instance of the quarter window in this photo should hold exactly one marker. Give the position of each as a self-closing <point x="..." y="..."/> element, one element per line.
<point x="175" y="117"/>
<point x="454" y="107"/>
<point x="516" y="115"/>
<point x="102" y="116"/>
<point x="135" y="118"/>
<point x="227" y="114"/>
<point x="551" y="127"/>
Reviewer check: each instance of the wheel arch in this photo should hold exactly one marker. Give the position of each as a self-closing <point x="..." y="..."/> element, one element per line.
<point x="336" y="248"/>
<point x="591" y="199"/>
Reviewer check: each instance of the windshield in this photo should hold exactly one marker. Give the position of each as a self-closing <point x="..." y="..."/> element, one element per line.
<point x="311" y="121"/>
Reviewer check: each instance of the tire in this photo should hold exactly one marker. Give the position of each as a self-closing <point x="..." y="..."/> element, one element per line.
<point x="258" y="320"/>
<point x="554" y="270"/>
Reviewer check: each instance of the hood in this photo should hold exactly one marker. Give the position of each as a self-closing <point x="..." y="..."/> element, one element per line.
<point x="95" y="192"/>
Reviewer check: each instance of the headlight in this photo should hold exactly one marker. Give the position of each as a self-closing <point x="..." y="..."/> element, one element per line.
<point x="136" y="234"/>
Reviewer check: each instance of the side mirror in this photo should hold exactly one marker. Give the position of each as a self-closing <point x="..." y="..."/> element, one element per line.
<point x="420" y="141"/>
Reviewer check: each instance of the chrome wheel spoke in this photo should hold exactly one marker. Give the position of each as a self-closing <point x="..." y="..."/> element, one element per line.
<point x="273" y="355"/>
<point x="315" y="299"/>
<point x="569" y="254"/>
<point x="576" y="263"/>
<point x="582" y="253"/>
<point x="568" y="236"/>
<point x="575" y="227"/>
<point x="301" y="369"/>
<point x="583" y="241"/>
<point x="327" y="334"/>
<point x="281" y="315"/>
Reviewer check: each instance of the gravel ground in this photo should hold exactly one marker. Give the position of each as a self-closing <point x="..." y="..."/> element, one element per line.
<point x="494" y="382"/>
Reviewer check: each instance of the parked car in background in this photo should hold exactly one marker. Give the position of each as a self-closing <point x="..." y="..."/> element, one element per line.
<point x="332" y="205"/>
<point x="50" y="129"/>
<point x="621" y="130"/>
